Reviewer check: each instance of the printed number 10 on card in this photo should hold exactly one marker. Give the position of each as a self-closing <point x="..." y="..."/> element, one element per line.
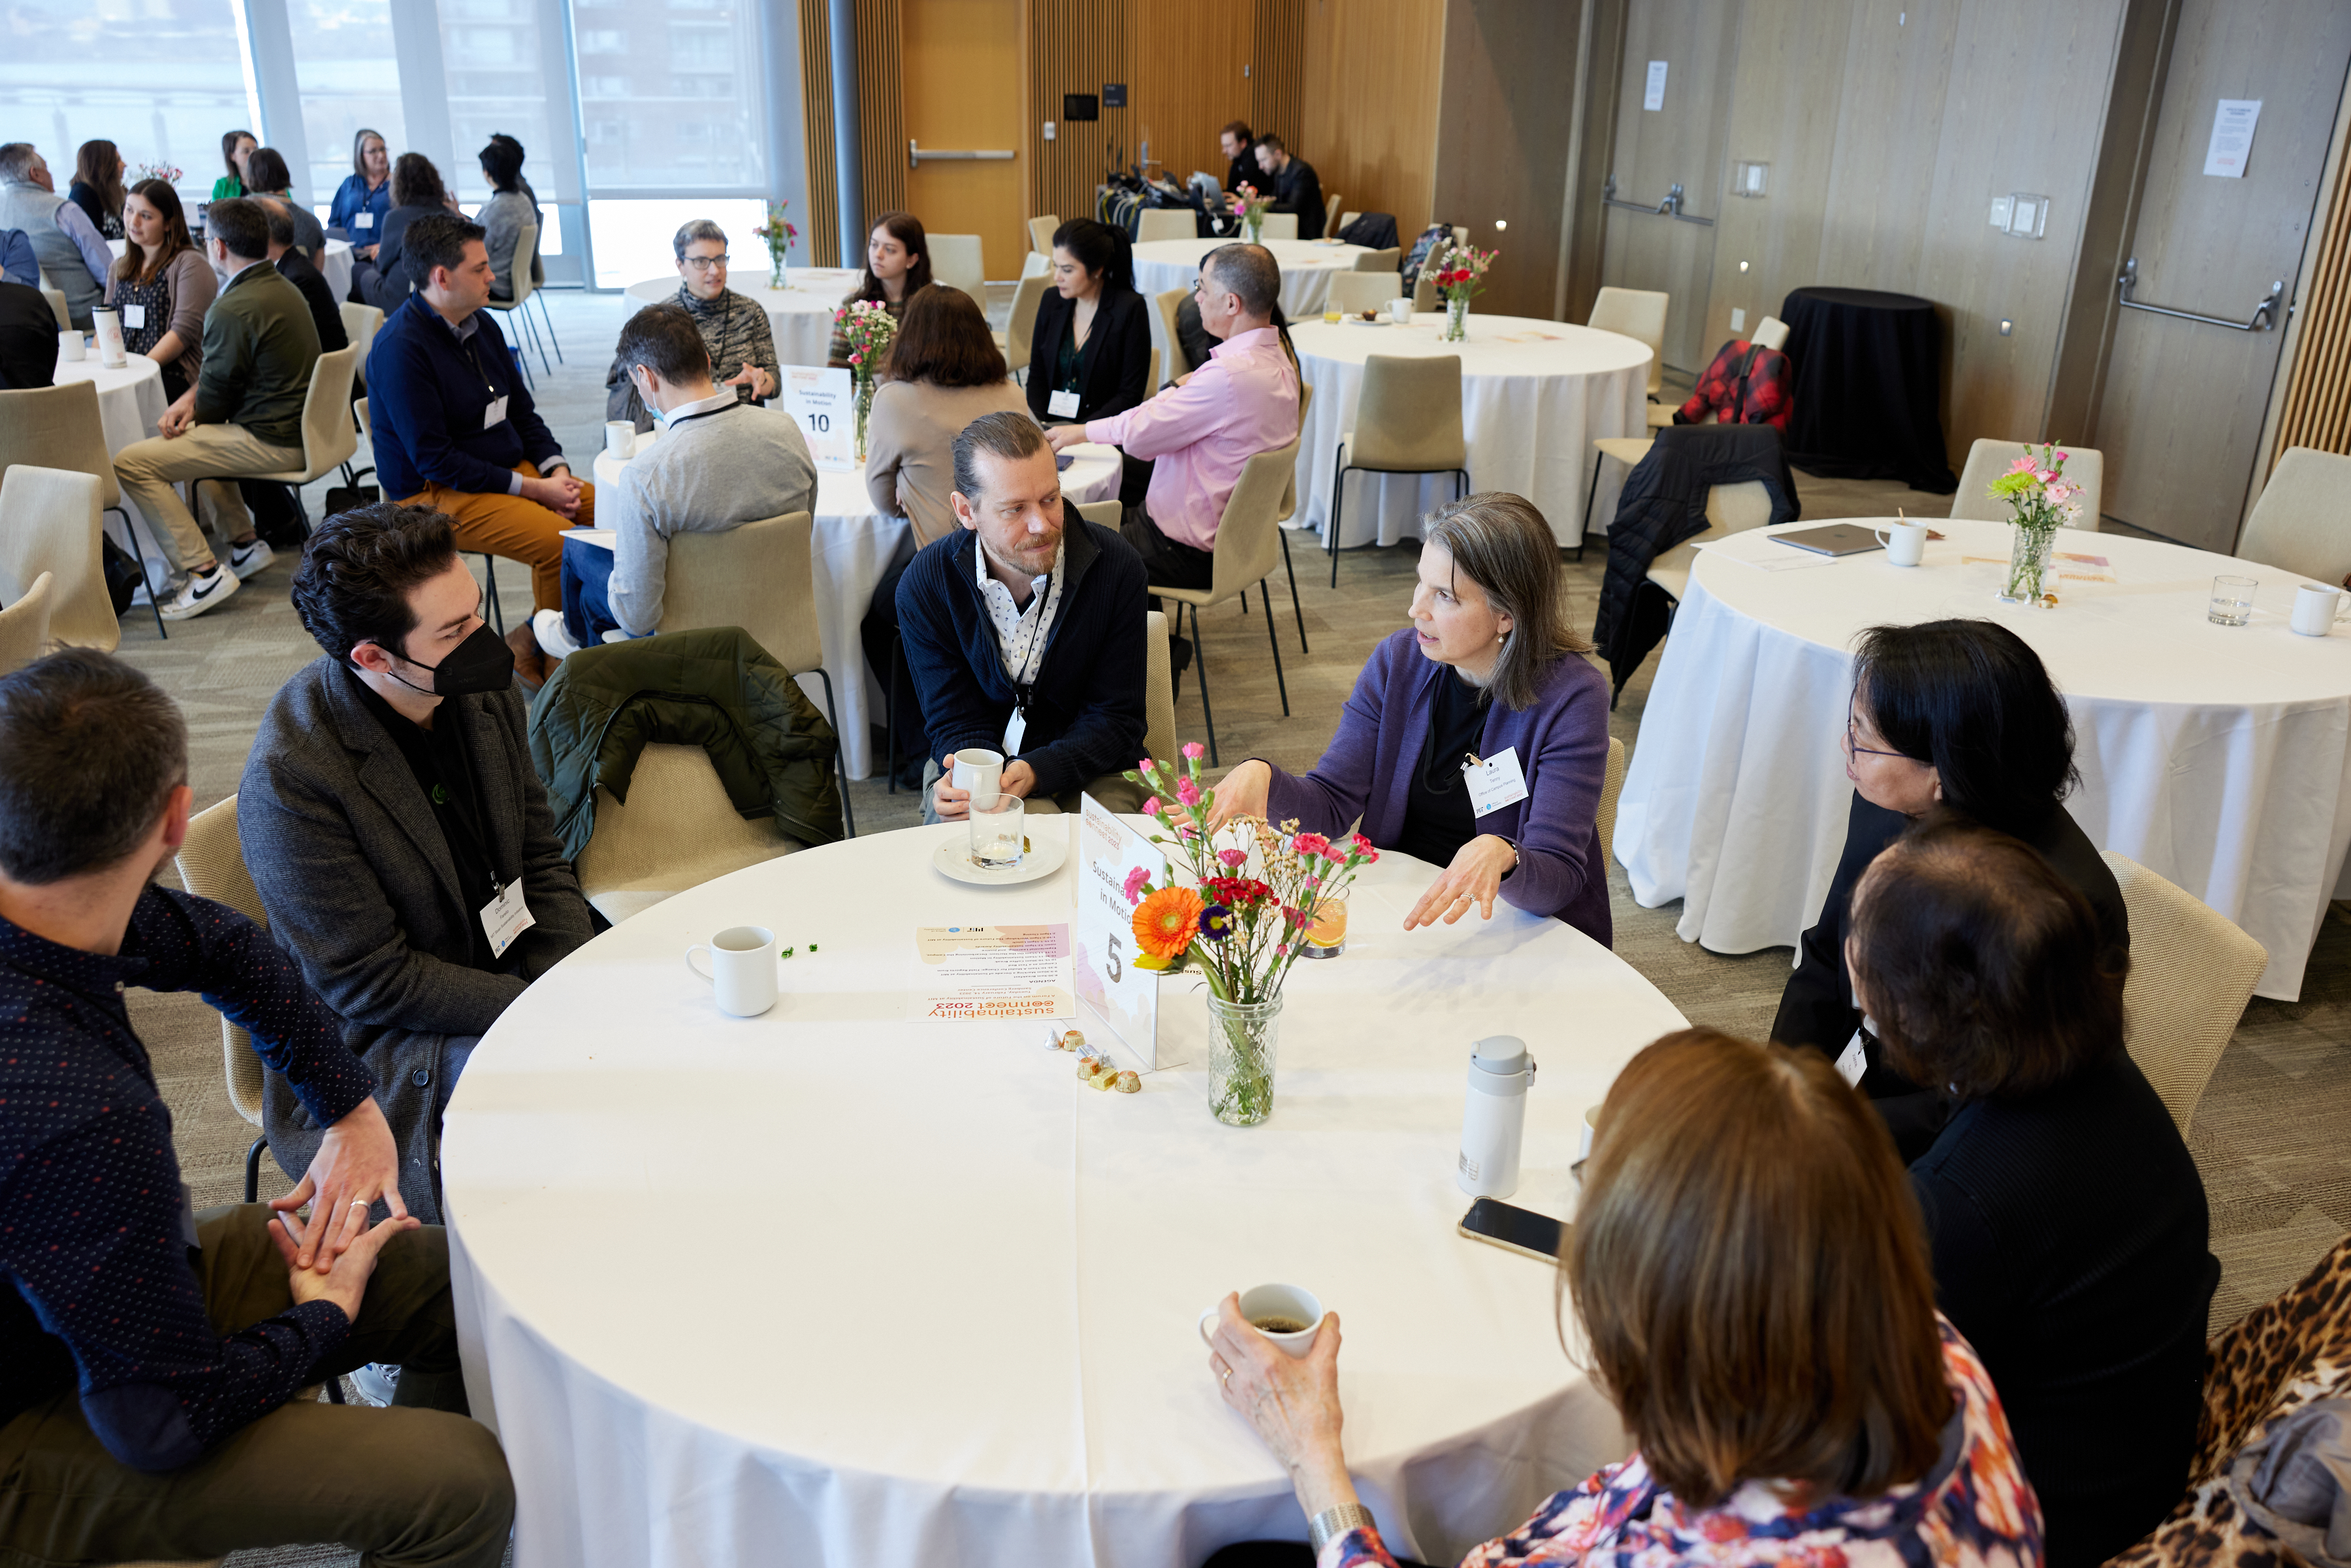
<point x="823" y="404"/>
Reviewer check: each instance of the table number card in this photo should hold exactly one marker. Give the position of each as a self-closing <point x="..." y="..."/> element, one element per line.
<point x="1122" y="995"/>
<point x="824" y="404"/>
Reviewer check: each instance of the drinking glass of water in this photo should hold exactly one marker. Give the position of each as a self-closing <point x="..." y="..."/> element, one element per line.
<point x="996" y="829"/>
<point x="2232" y="601"/>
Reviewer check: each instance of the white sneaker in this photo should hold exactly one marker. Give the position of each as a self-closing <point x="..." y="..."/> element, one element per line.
<point x="247" y="559"/>
<point x="200" y="594"/>
<point x="376" y="1382"/>
<point x="547" y="625"/>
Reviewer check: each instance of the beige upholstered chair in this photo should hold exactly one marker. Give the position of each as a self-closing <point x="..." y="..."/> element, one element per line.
<point x="1388" y="260"/>
<point x="1729" y="509"/>
<point x="1345" y="219"/>
<point x="48" y="523"/>
<point x="1165" y="222"/>
<point x="1639" y="314"/>
<point x="677" y="830"/>
<point x="25" y="625"/>
<point x="1627" y="449"/>
<point x="1988" y="460"/>
<point x="1158" y="690"/>
<point x="328" y="433"/>
<point x="1281" y="226"/>
<point x="1612" y="785"/>
<point x="762" y="578"/>
<point x="360" y="324"/>
<point x="2192" y="971"/>
<point x="525" y="269"/>
<point x="1770" y="333"/>
<point x="1407" y="421"/>
<point x="956" y="262"/>
<point x="1040" y="234"/>
<point x="1035" y="265"/>
<point x="1167" y="302"/>
<point x="1423" y="292"/>
<point x="212" y="865"/>
<point x="1331" y="214"/>
<point x="1247" y="549"/>
<point x="57" y="306"/>
<point x="2302" y="522"/>
<point x="1360" y="291"/>
<point x="1021" y="326"/>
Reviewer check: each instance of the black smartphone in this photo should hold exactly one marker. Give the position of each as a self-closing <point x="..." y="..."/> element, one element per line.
<point x="1062" y="460"/>
<point x="1514" y="1229"/>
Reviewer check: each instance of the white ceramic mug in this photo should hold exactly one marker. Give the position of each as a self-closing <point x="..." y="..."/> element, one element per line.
<point x="1905" y="543"/>
<point x="976" y="768"/>
<point x="742" y="968"/>
<point x="620" y="438"/>
<point x="1400" y="312"/>
<point x="1590" y="1126"/>
<point x="2317" y="608"/>
<point x="1275" y="1300"/>
<point x="70" y="347"/>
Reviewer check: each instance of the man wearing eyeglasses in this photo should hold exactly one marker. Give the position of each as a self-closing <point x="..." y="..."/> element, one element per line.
<point x="734" y="329"/>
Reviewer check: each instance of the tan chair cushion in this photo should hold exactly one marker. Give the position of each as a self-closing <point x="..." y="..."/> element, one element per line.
<point x="1408" y="416"/>
<point x="760" y="576"/>
<point x="328" y="437"/>
<point x="676" y="831"/>
<point x="2302" y="522"/>
<point x="1282" y="226"/>
<point x="1388" y="260"/>
<point x="1611" y="786"/>
<point x="25" y="625"/>
<point x="1365" y="289"/>
<point x="212" y="865"/>
<point x="2192" y="971"/>
<point x="1162" y="223"/>
<point x="49" y="523"/>
<point x="1988" y="460"/>
<point x="58" y="427"/>
<point x="1158" y="690"/>
<point x="1639" y="314"/>
<point x="1729" y="509"/>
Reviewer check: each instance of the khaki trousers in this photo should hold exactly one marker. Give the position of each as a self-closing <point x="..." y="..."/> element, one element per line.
<point x="405" y="1486"/>
<point x="515" y="529"/>
<point x="149" y="469"/>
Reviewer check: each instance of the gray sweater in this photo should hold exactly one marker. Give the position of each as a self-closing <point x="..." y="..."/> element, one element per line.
<point x="708" y="473"/>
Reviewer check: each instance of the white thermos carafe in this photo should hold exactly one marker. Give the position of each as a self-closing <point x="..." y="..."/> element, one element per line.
<point x="1494" y="1121"/>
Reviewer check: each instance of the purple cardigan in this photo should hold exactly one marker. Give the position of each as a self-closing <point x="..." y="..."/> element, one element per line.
<point x="1562" y="745"/>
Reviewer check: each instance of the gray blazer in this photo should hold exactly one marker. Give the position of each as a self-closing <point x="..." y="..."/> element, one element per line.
<point x="359" y="887"/>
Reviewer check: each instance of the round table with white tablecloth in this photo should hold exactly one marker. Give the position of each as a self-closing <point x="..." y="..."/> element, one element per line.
<point x="335" y="266"/>
<point x="1306" y="267"/>
<point x="2216" y="756"/>
<point x="130" y="400"/>
<point x="800" y="315"/>
<point x="1535" y="396"/>
<point x="853" y="547"/>
<point x="837" y="1285"/>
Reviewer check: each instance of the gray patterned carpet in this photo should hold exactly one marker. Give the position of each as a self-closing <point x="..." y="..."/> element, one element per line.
<point x="2270" y="1136"/>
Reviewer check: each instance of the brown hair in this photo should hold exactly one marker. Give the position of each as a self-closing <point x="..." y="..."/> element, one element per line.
<point x="229" y="138"/>
<point x="359" y="153"/>
<point x="138" y="264"/>
<point x="99" y="165"/>
<point x="1753" y="1278"/>
<point x="90" y="751"/>
<point x="907" y="230"/>
<point x="1238" y="129"/>
<point x="944" y="340"/>
<point x="1983" y="968"/>
<point x="415" y="183"/>
<point x="1501" y="543"/>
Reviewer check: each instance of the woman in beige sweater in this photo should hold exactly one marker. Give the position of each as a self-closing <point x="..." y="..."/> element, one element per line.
<point x="943" y="371"/>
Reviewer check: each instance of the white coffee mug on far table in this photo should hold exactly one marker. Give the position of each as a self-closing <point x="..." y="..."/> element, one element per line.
<point x="1259" y="1302"/>
<point x="1905" y="543"/>
<point x="2317" y="608"/>
<point x="70" y="347"/>
<point x="1400" y="312"/>
<point x="742" y="968"/>
<point x="620" y="438"/>
<point x="976" y="768"/>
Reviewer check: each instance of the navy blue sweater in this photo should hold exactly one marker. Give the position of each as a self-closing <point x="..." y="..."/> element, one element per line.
<point x="427" y="395"/>
<point x="1085" y="714"/>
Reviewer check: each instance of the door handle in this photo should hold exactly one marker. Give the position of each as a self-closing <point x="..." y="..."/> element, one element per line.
<point x="2263" y="319"/>
<point x="915" y="154"/>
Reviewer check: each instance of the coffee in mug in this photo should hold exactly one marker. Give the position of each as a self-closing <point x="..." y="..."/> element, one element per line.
<point x="1287" y="1315"/>
<point x="1276" y="1324"/>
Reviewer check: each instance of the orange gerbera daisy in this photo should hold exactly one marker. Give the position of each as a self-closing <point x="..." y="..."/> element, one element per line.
<point x="1165" y="922"/>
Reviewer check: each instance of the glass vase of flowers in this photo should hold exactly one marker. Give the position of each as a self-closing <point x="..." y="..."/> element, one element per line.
<point x="777" y="234"/>
<point x="2041" y="500"/>
<point x="1239" y="922"/>
<point x="869" y="327"/>
<point x="1249" y="205"/>
<point x="1457" y="271"/>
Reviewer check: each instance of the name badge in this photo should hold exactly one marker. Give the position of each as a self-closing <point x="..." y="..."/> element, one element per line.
<point x="1852" y="1061"/>
<point x="496" y="414"/>
<point x="134" y="317"/>
<point x="1014" y="732"/>
<point x="363" y="220"/>
<point x="506" y="917"/>
<point x="1495" y="782"/>
<point x="1062" y="405"/>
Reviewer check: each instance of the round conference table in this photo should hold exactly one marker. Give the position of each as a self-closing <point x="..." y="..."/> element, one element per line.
<point x="2216" y="756"/>
<point x="130" y="400"/>
<point x="800" y="317"/>
<point x="1306" y="267"/>
<point x="853" y="546"/>
<point x="838" y="1285"/>
<point x="335" y="266"/>
<point x="1535" y="396"/>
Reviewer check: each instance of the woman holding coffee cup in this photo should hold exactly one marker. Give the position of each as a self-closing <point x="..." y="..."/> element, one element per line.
<point x="1798" y="1400"/>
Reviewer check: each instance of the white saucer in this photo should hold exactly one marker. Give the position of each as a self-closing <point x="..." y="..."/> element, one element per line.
<point x="1047" y="851"/>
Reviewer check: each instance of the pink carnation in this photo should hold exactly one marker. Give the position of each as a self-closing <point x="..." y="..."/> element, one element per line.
<point x="1234" y="858"/>
<point x="1151" y="808"/>
<point x="1187" y="792"/>
<point x="1195" y="750"/>
<point x="1282" y="949"/>
<point x="1310" y="843"/>
<point x="2022" y="466"/>
<point x="1136" y="881"/>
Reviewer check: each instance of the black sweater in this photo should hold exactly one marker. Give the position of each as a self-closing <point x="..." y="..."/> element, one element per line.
<point x="1114" y="366"/>
<point x="2070" y="1233"/>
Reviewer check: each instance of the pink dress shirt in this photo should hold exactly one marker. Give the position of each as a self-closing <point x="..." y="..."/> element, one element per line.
<point x="1244" y="401"/>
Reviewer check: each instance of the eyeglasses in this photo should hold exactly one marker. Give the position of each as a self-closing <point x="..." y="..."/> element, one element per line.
<point x="1853" y="744"/>
<point x="705" y="263"/>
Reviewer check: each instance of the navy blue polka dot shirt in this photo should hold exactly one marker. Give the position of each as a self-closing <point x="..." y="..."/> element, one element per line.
<point x="103" y="1291"/>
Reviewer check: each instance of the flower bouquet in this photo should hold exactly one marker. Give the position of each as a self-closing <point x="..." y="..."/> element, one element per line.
<point x="1241" y="924"/>
<point x="1249" y="205"/>
<point x="169" y="173"/>
<point x="869" y="327"/>
<point x="778" y="234"/>
<point x="2039" y="502"/>
<point x="1455" y="271"/>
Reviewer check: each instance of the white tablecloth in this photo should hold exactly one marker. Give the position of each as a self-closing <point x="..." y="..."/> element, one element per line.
<point x="832" y="1286"/>
<point x="2215" y="756"/>
<point x="853" y="547"/>
<point x="335" y="266"/>
<point x="130" y="402"/>
<point x="799" y="315"/>
<point x="1535" y="396"/>
<point x="1306" y="268"/>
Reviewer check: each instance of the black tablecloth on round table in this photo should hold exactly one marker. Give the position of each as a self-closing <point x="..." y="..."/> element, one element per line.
<point x="1868" y="370"/>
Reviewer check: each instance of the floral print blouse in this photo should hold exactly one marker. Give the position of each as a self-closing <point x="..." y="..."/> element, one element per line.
<point x="1973" y="1510"/>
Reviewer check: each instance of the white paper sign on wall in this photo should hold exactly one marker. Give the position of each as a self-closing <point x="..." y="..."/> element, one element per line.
<point x="2232" y="137"/>
<point x="823" y="403"/>
<point x="1654" y="96"/>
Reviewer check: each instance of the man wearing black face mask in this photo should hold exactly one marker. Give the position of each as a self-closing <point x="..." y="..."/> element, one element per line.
<point x="391" y="820"/>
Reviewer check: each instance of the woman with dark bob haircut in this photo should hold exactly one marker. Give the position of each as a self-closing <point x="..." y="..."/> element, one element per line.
<point x="1749" y="1272"/>
<point x="2066" y="1220"/>
<point x="1951" y="713"/>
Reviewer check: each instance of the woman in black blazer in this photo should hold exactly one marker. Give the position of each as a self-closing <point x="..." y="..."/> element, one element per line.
<point x="1089" y="355"/>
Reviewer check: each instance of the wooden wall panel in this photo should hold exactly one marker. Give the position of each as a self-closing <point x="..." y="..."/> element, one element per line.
<point x="2317" y="406"/>
<point x="881" y="118"/>
<point x="1503" y="128"/>
<point x="1074" y="45"/>
<point x="1187" y="74"/>
<point x="1277" y="72"/>
<point x="823" y="220"/>
<point x="1368" y="108"/>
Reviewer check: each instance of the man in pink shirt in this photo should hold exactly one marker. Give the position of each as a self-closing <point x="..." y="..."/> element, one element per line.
<point x="1203" y="430"/>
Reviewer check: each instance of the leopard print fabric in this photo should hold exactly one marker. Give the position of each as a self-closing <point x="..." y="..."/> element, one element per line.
<point x="2282" y="1356"/>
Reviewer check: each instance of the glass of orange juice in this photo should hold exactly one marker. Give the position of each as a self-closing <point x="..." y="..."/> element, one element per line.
<point x="1327" y="936"/>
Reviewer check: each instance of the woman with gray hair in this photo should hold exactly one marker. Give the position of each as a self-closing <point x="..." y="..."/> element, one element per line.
<point x="734" y="329"/>
<point x="1476" y="739"/>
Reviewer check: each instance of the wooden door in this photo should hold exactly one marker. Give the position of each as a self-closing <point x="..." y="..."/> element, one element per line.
<point x="2179" y="419"/>
<point x="961" y="74"/>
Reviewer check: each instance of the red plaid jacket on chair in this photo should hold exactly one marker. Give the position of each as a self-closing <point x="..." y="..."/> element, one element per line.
<point x="1737" y="392"/>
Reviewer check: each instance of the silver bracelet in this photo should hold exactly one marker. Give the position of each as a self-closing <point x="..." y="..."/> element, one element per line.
<point x="1334" y="1522"/>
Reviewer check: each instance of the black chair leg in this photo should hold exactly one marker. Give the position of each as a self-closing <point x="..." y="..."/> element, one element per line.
<point x="1200" y="668"/>
<point x="890" y="714"/>
<point x="1295" y="607"/>
<point x="1338" y="508"/>
<point x="1278" y="682"/>
<point x="840" y="752"/>
<point x="154" y="601"/>
<point x="497" y="610"/>
<point x="1591" y="495"/>
<point x="253" y="1168"/>
<point x="335" y="1391"/>
<point x="549" y="321"/>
